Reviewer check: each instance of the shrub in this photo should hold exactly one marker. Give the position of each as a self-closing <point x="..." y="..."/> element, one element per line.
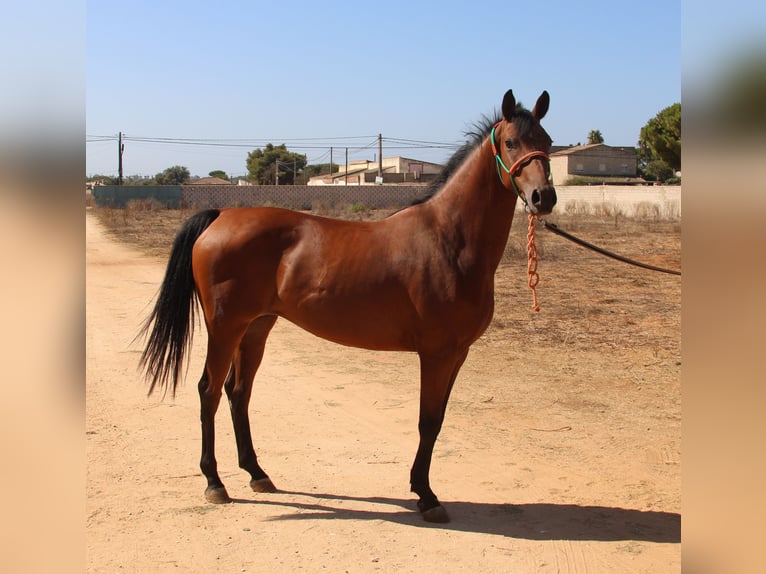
<point x="658" y="170"/>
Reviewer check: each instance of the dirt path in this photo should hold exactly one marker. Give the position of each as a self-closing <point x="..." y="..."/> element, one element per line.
<point x="540" y="471"/>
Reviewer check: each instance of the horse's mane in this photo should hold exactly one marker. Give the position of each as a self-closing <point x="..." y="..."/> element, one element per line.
<point x="475" y="135"/>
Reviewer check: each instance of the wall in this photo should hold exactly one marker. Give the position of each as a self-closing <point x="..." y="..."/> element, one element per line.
<point x="665" y="199"/>
<point x="559" y="169"/>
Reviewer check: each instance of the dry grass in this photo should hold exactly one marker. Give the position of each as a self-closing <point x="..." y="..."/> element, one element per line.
<point x="589" y="302"/>
<point x="145" y="224"/>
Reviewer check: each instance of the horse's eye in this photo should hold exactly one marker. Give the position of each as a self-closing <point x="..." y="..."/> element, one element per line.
<point x="509" y="144"/>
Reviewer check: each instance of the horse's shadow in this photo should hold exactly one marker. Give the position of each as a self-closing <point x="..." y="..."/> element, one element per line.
<point x="531" y="521"/>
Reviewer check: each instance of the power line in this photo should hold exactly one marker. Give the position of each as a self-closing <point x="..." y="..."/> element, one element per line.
<point x="421" y="143"/>
<point x="293" y="143"/>
<point x="308" y="143"/>
<point x="354" y="145"/>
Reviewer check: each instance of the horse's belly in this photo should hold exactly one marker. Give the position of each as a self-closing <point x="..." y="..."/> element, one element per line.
<point x="355" y="329"/>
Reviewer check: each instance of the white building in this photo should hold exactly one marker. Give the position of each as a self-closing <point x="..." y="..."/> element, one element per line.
<point x="395" y="170"/>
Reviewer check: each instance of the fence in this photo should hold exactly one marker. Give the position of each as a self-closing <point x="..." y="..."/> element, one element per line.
<point x="665" y="200"/>
<point x="120" y="196"/>
<point x="301" y="196"/>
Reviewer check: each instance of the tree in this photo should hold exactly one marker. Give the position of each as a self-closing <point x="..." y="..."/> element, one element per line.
<point x="102" y="179"/>
<point x="175" y="175"/>
<point x="262" y="165"/>
<point x="595" y="137"/>
<point x="657" y="170"/>
<point x="219" y="173"/>
<point x="661" y="138"/>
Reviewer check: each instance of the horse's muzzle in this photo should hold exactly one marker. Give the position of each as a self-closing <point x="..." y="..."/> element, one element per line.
<point x="543" y="200"/>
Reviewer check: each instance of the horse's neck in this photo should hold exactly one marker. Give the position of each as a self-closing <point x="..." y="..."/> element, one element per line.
<point x="479" y="208"/>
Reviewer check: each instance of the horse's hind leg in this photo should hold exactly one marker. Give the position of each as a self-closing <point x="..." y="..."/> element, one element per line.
<point x="239" y="386"/>
<point x="220" y="353"/>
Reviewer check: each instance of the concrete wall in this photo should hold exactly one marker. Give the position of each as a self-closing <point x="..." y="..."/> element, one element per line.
<point x="664" y="200"/>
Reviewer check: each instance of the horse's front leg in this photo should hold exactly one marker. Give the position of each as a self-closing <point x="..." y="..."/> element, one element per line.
<point x="437" y="376"/>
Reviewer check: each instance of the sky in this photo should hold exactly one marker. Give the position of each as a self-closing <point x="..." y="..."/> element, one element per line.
<point x="234" y="75"/>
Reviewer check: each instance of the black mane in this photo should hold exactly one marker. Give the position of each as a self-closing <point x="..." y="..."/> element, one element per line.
<point x="524" y="123"/>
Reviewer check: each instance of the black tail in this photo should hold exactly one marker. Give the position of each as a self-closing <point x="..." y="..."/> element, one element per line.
<point x="175" y="310"/>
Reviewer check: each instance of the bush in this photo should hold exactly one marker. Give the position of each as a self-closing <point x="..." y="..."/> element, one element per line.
<point x="658" y="170"/>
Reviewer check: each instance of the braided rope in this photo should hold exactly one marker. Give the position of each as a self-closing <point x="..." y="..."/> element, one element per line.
<point x="533" y="276"/>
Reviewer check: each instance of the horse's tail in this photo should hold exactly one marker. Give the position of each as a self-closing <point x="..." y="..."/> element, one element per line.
<point x="171" y="323"/>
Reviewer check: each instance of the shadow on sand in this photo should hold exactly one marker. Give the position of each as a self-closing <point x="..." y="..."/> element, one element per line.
<point x="532" y="521"/>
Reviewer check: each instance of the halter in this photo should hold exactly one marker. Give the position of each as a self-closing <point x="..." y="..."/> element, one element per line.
<point x="517" y="166"/>
<point x="532" y="276"/>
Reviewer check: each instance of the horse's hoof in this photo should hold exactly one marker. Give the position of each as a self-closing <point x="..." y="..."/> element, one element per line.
<point x="217" y="495"/>
<point x="436" y="514"/>
<point x="263" y="485"/>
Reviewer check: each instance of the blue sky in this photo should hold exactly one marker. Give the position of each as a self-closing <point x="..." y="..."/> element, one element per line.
<point x="268" y="71"/>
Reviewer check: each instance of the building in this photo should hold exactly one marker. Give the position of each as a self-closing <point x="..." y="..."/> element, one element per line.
<point x="395" y="170"/>
<point x="208" y="181"/>
<point x="594" y="160"/>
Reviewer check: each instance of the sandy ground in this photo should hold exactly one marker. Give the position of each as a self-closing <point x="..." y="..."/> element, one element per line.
<point x="549" y="460"/>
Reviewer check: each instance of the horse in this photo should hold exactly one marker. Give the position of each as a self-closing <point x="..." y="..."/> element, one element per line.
<point x="420" y="280"/>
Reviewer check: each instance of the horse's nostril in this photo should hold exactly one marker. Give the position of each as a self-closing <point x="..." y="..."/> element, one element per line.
<point x="535" y="198"/>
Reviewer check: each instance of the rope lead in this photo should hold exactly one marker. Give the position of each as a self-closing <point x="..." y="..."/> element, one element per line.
<point x="533" y="276"/>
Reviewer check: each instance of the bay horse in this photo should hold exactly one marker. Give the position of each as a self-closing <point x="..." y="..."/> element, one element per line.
<point x="420" y="280"/>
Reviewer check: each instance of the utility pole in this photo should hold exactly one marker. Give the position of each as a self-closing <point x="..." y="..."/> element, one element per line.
<point x="330" y="163"/>
<point x="276" y="171"/>
<point x="380" y="157"/>
<point x="120" y="150"/>
<point x="346" y="176"/>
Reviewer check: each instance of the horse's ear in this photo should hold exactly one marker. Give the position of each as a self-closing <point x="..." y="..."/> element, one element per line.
<point x="541" y="107"/>
<point x="509" y="105"/>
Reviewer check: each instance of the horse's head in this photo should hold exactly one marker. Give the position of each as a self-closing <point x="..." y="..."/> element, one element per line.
<point x="521" y="148"/>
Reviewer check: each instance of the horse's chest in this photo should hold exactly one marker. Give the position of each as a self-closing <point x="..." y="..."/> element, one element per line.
<point x="459" y="306"/>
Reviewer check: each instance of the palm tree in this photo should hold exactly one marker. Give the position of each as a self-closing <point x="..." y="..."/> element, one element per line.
<point x="595" y="137"/>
